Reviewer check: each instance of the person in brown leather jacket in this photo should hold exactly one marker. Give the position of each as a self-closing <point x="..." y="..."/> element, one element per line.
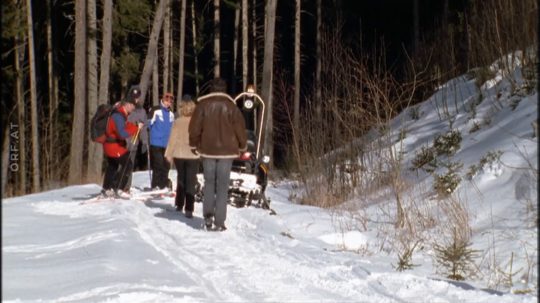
<point x="217" y="132"/>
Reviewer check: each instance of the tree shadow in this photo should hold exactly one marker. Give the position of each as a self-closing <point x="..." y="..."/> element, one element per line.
<point x="466" y="286"/>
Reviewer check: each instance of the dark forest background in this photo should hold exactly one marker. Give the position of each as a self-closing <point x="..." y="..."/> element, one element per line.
<point x="405" y="47"/>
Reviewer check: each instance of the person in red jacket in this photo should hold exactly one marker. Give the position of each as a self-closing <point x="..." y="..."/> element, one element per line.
<point x="115" y="149"/>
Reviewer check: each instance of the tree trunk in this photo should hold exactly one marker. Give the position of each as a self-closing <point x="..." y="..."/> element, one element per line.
<point x="155" y="81"/>
<point x="105" y="63"/>
<point x="151" y="53"/>
<point x="296" y="115"/>
<point x="171" y="59"/>
<point x="21" y="114"/>
<point x="468" y="36"/>
<point x="245" y="42"/>
<point x="196" y="46"/>
<point x="166" y="46"/>
<point x="93" y="172"/>
<point x="104" y="69"/>
<point x="416" y="25"/>
<point x="79" y="95"/>
<point x="217" y="28"/>
<point x="445" y="15"/>
<point x="5" y="160"/>
<point x="181" y="48"/>
<point x="254" y="38"/>
<point x="267" y="76"/>
<point x="36" y="185"/>
<point x="318" y="67"/>
<point x="51" y="156"/>
<point x="235" y="46"/>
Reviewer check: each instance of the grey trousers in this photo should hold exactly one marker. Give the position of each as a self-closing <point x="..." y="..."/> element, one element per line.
<point x="217" y="175"/>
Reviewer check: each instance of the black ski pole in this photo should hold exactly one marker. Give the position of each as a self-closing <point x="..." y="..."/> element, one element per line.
<point x="128" y="161"/>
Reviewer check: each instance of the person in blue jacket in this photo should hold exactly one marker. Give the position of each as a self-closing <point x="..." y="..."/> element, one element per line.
<point x="161" y="119"/>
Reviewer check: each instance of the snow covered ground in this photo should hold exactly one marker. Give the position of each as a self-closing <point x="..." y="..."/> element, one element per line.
<point x="55" y="249"/>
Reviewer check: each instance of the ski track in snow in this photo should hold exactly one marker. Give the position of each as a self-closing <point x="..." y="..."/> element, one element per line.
<point x="194" y="251"/>
<point x="46" y="250"/>
<point x="220" y="266"/>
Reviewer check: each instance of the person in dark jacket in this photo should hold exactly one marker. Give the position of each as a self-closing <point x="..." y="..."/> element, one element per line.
<point x="217" y="132"/>
<point x="186" y="163"/>
<point x="138" y="148"/>
<point x="160" y="123"/>
<point x="118" y="131"/>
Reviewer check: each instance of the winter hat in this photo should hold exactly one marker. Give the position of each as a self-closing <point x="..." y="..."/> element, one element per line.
<point x="133" y="93"/>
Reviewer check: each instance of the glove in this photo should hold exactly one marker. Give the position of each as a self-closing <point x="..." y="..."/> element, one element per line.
<point x="194" y="151"/>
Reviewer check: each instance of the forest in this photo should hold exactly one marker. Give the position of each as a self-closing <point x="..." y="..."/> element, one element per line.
<point x="330" y="70"/>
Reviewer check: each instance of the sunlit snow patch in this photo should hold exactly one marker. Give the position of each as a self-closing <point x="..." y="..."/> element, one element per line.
<point x="352" y="240"/>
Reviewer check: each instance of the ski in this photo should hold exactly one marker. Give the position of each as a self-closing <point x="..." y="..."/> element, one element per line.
<point x="137" y="192"/>
<point x="155" y="196"/>
<point x="97" y="199"/>
<point x="102" y="198"/>
<point x="87" y="197"/>
<point x="141" y="199"/>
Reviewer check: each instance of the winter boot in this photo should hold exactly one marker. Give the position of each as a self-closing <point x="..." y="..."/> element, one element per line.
<point x="122" y="194"/>
<point x="180" y="197"/>
<point x="190" y="203"/>
<point x="220" y="228"/>
<point x="208" y="221"/>
<point x="169" y="184"/>
<point x="109" y="193"/>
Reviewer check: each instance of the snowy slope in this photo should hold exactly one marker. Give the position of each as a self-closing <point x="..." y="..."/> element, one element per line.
<point x="56" y="250"/>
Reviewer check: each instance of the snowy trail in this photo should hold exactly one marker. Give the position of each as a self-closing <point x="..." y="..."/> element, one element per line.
<point x="227" y="269"/>
<point x="133" y="251"/>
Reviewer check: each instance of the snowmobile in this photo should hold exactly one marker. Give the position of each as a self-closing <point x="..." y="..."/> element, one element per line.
<point x="249" y="173"/>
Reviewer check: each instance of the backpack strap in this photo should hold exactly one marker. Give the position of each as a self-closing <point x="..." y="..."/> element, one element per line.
<point x="112" y="140"/>
<point x="109" y="139"/>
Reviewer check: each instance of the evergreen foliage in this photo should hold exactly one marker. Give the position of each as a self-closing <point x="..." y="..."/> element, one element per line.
<point x="487" y="160"/>
<point x="405" y="258"/>
<point x="447" y="144"/>
<point x="456" y="257"/>
<point x="446" y="184"/>
<point x="425" y="159"/>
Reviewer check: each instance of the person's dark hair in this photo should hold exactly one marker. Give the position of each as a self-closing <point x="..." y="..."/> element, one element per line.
<point x="218" y="85"/>
<point x="186" y="98"/>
